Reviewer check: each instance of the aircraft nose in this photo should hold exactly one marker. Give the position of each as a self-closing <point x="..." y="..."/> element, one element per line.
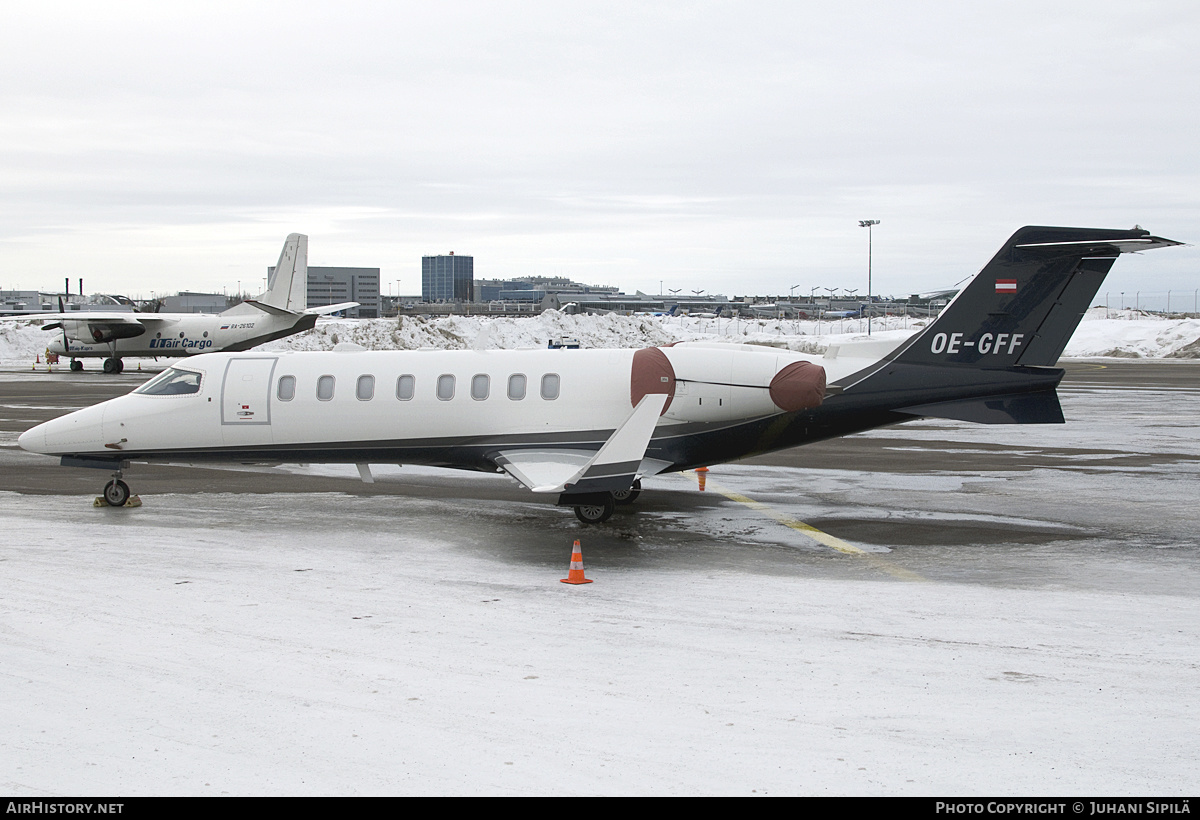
<point x="33" y="439"/>
<point x="78" y="432"/>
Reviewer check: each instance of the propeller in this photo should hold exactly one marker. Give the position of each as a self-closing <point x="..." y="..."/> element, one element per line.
<point x="63" y="325"/>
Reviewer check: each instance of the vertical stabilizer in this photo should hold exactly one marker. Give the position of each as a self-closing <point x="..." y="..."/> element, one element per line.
<point x="287" y="287"/>
<point x="989" y="357"/>
<point x="1022" y="308"/>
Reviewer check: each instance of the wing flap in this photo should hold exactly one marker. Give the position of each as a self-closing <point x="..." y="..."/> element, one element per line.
<point x="613" y="467"/>
<point x="543" y="471"/>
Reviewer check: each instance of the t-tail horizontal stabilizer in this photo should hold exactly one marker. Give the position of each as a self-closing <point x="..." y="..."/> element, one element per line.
<point x="613" y="467"/>
<point x="989" y="356"/>
<point x="1025" y="304"/>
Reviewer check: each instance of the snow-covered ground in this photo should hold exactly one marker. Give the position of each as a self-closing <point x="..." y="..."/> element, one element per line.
<point x="335" y="643"/>
<point x="1126" y="334"/>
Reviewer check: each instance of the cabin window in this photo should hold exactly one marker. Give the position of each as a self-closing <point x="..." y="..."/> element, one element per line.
<point x="172" y="382"/>
<point x="406" y="387"/>
<point x="481" y="386"/>
<point x="445" y="387"/>
<point x="516" y="386"/>
<point x="550" y="386"/>
<point x="325" y="388"/>
<point x="365" y="389"/>
<point x="287" y="388"/>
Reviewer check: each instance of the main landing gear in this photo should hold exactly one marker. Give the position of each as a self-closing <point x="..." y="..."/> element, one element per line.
<point x="630" y="495"/>
<point x="111" y="365"/>
<point x="596" y="513"/>
<point x="596" y="508"/>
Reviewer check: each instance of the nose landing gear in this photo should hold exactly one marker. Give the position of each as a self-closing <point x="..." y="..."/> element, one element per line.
<point x="116" y="493"/>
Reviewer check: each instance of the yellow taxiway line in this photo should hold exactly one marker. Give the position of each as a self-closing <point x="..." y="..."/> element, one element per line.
<point x="815" y="534"/>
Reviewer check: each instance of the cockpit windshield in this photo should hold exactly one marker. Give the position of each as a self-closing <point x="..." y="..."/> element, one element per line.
<point x="174" y="381"/>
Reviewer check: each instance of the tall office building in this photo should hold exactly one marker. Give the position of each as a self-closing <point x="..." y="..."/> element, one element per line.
<point x="447" y="278"/>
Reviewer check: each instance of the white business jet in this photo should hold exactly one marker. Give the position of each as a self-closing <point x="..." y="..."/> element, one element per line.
<point x="279" y="312"/>
<point x="588" y="425"/>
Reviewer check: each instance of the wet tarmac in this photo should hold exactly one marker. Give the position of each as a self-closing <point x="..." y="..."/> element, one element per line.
<point x="1106" y="498"/>
<point x="933" y="608"/>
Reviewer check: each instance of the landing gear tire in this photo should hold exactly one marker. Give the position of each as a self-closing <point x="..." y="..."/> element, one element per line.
<point x="112" y="366"/>
<point x="596" y="513"/>
<point x="630" y="495"/>
<point x="76" y="365"/>
<point x="116" y="493"/>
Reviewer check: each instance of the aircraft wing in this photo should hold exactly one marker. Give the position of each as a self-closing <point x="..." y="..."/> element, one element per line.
<point x="126" y="317"/>
<point x="614" y="466"/>
<point x="80" y="323"/>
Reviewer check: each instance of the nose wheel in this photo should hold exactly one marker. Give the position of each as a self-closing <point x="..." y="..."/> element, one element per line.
<point x="116" y="493"/>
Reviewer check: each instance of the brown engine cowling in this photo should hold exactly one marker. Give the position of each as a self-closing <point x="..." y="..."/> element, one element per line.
<point x="725" y="382"/>
<point x="652" y="373"/>
<point x="798" y="386"/>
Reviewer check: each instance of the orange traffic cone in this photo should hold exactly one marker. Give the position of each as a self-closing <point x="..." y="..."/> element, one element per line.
<point x="701" y="473"/>
<point x="575" y="574"/>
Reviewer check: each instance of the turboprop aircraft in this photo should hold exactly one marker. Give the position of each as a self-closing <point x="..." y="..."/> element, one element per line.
<point x="588" y="425"/>
<point x="279" y="312"/>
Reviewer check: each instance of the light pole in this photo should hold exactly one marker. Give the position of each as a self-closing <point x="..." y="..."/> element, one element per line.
<point x="868" y="224"/>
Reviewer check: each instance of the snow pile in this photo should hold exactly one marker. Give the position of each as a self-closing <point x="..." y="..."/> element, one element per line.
<point x="1102" y="333"/>
<point x="481" y="332"/>
<point x="1132" y="334"/>
<point x="21" y="340"/>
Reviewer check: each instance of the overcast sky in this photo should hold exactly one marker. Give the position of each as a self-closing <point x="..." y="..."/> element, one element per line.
<point x="724" y="146"/>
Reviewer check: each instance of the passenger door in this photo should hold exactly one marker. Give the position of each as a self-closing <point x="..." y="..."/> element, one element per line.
<point x="246" y="400"/>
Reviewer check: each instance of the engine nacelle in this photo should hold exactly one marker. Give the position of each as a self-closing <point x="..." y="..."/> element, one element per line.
<point x="706" y="382"/>
<point x="103" y="332"/>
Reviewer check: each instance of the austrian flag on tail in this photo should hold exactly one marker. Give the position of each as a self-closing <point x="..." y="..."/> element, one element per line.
<point x="1006" y="286"/>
